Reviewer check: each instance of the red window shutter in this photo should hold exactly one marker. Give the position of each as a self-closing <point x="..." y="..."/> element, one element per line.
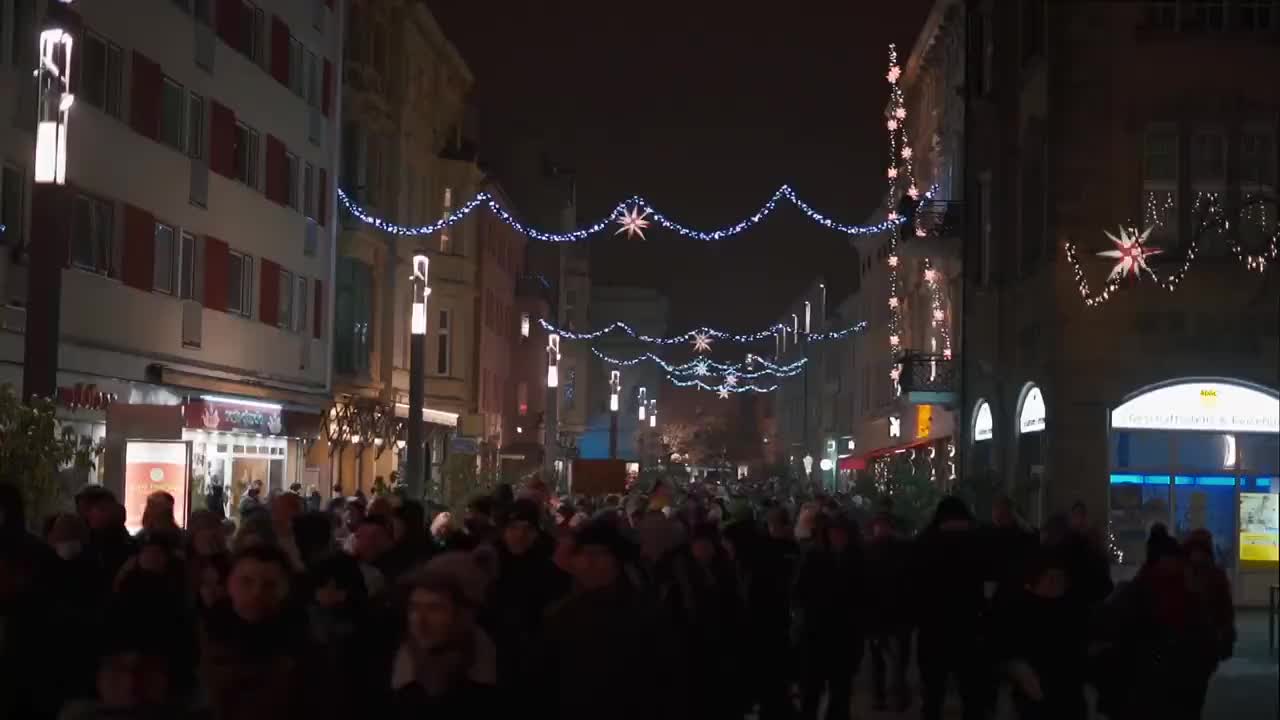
<point x="279" y="50"/>
<point x="322" y="202"/>
<point x="222" y="140"/>
<point x="317" y="312"/>
<point x="144" y="107"/>
<point x="228" y="21"/>
<point x="139" y="247"/>
<point x="269" y="295"/>
<point x="217" y="261"/>
<point x="277" y="185"/>
<point x="326" y="90"/>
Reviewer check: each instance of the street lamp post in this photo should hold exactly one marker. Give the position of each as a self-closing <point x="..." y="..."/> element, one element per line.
<point x="416" y="467"/>
<point x="615" y="387"/>
<point x="552" y="415"/>
<point x="49" y="202"/>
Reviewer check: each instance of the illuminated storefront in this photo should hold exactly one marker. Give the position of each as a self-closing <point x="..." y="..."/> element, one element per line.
<point x="1028" y="488"/>
<point x="1200" y="453"/>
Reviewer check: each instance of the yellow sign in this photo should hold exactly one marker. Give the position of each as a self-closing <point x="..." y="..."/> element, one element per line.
<point x="924" y="421"/>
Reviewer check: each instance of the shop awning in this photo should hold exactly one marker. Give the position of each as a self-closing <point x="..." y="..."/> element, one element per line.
<point x="852" y="462"/>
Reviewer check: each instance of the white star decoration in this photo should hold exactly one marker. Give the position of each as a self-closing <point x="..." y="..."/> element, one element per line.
<point x="938" y="315"/>
<point x="633" y="222"/>
<point x="723" y="392"/>
<point x="701" y="368"/>
<point x="894" y="73"/>
<point x="893" y="172"/>
<point x="893" y="302"/>
<point x="930" y="275"/>
<point x="893" y="340"/>
<point x="906" y="152"/>
<point x="900" y="113"/>
<point x="701" y="342"/>
<point x="731" y="380"/>
<point x="893" y="261"/>
<point x="1130" y="254"/>
<point x="913" y="192"/>
<point x="892" y="124"/>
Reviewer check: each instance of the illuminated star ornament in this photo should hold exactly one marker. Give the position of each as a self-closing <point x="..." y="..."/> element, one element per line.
<point x="701" y="342"/>
<point x="723" y="392"/>
<point x="633" y="222"/>
<point x="731" y="380"/>
<point x="1130" y="254"/>
<point x="701" y="368"/>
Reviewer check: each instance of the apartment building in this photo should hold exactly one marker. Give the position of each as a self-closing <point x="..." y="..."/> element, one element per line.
<point x="177" y="288"/>
<point x="1151" y="399"/>
<point x="406" y="161"/>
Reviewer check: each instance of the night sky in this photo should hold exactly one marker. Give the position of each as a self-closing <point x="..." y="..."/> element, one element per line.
<point x="704" y="108"/>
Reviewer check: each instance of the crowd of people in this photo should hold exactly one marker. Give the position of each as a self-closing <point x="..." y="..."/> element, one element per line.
<point x="654" y="605"/>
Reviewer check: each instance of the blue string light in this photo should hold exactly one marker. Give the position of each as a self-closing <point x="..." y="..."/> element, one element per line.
<point x="720" y="388"/>
<point x="710" y="333"/>
<point x="486" y="200"/>
<point x="703" y="367"/>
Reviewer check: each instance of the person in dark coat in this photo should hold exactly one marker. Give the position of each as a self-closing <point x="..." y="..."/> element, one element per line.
<point x="257" y="660"/>
<point x="110" y="544"/>
<point x="829" y="601"/>
<point x="764" y="576"/>
<point x="595" y="641"/>
<point x="1041" y="643"/>
<point x="947" y="564"/>
<point x="888" y="616"/>
<point x="528" y="584"/>
<point x="410" y="546"/>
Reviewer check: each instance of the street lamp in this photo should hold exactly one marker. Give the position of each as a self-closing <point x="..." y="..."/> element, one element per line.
<point x="642" y="392"/>
<point x="552" y="414"/>
<point x="53" y="78"/>
<point x="653" y="413"/>
<point x="553" y="361"/>
<point x="416" y="468"/>
<point x="615" y="387"/>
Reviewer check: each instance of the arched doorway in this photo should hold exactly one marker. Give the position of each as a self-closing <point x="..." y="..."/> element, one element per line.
<point x="1199" y="453"/>
<point x="981" y="438"/>
<point x="1028" y="479"/>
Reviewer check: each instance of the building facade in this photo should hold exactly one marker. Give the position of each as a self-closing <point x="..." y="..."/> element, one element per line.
<point x="1151" y="396"/>
<point x="404" y="160"/>
<point x="185" y="267"/>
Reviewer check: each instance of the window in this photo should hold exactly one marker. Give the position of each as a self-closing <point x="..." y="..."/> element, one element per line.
<point x="297" y="71"/>
<point x="195" y="126"/>
<point x="353" y="316"/>
<point x="1032" y="28"/>
<point x="247" y="155"/>
<point x="162" y="267"/>
<point x="1208" y="14"/>
<point x="252" y="20"/>
<point x="291" y="171"/>
<point x="300" y="305"/>
<point x="92" y="234"/>
<point x="284" y="318"/>
<point x="187" y="263"/>
<point x="984" y="229"/>
<point x="172" y="103"/>
<point x="1162" y="15"/>
<point x="524" y="324"/>
<point x="444" y="348"/>
<point x="1257" y="180"/>
<point x="446" y="241"/>
<point x="1160" y="182"/>
<point x="101" y="69"/>
<point x="308" y="191"/>
<point x="240" y="288"/>
<point x="1258" y="14"/>
<point x="24" y="33"/>
<point x="313" y="80"/>
<point x="1208" y="184"/>
<point x="12" y="194"/>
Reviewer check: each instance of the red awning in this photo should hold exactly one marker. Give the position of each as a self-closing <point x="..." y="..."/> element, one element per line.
<point x="852" y="462"/>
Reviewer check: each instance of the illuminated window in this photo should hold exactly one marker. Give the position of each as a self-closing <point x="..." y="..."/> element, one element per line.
<point x="162" y="267"/>
<point x="524" y="325"/>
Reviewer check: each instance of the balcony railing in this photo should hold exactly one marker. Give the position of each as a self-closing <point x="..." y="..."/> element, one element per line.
<point x="936" y="229"/>
<point x="928" y="377"/>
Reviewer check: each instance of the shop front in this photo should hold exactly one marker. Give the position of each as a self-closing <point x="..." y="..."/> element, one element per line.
<point x="1029" y="477"/>
<point x="1199" y="453"/>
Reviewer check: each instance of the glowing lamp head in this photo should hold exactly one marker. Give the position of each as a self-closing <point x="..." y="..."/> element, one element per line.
<point x="418" y="318"/>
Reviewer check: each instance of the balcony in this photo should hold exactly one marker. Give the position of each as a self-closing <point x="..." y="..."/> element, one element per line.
<point x="928" y="379"/>
<point x="937" y="231"/>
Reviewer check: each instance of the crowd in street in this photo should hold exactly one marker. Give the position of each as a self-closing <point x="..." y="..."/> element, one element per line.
<point x="667" y="604"/>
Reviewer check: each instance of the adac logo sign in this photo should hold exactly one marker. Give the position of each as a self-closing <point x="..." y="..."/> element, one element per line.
<point x="1209" y="397"/>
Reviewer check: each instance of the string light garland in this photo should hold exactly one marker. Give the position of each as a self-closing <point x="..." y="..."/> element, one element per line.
<point x="692" y="335"/>
<point x="703" y="367"/>
<point x="634" y="215"/>
<point x="1212" y="221"/>
<point x="901" y="171"/>
<point x="725" y="388"/>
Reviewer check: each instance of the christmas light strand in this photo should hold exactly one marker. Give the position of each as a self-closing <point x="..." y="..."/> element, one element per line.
<point x="722" y="389"/>
<point x="693" y="335"/>
<point x="703" y="367"/>
<point x="901" y="169"/>
<point x="1212" y="219"/>
<point x="629" y="213"/>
